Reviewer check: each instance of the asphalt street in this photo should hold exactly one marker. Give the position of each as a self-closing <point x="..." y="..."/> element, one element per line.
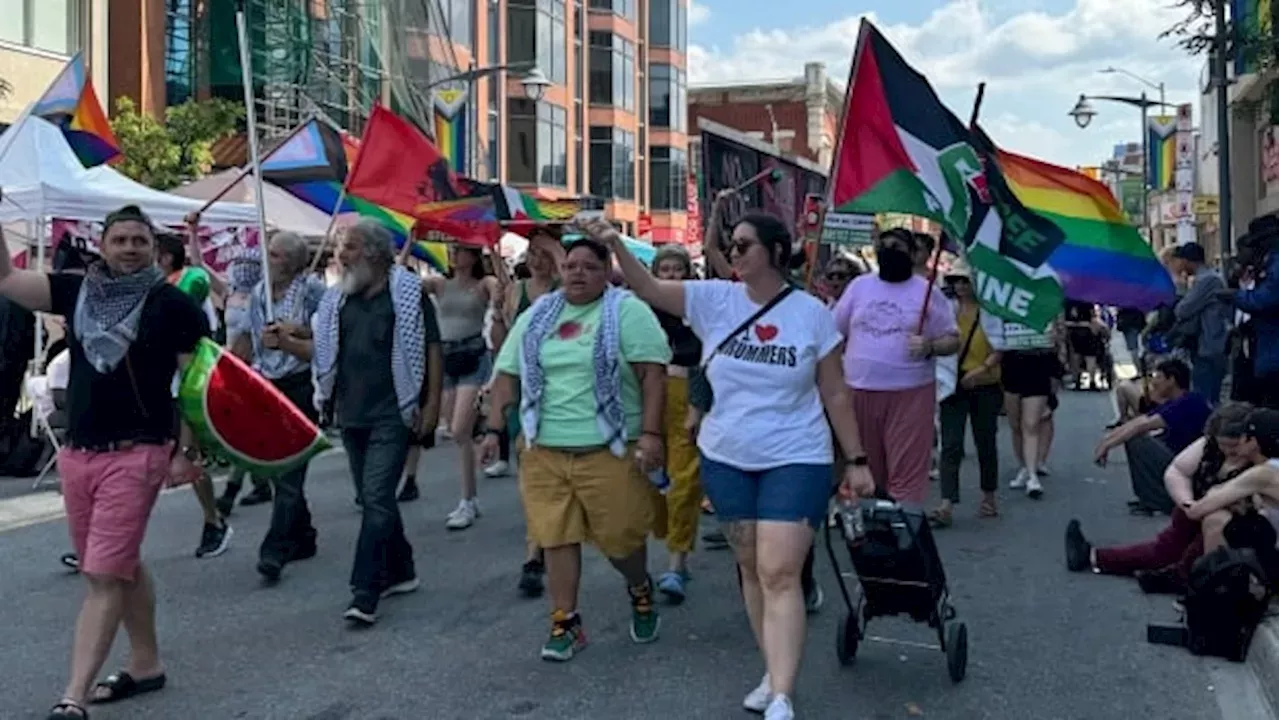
<point x="1044" y="644"/>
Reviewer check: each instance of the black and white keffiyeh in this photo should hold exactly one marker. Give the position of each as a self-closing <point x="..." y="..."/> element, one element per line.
<point x="109" y="311"/>
<point x="611" y="416"/>
<point x="300" y="301"/>
<point x="408" y="344"/>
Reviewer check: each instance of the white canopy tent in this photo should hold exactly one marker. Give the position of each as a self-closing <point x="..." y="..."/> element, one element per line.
<point x="284" y="211"/>
<point x="42" y="178"/>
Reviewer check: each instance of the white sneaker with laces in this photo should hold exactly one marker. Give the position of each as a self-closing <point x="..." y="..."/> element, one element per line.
<point x="464" y="515"/>
<point x="757" y="701"/>
<point x="1020" y="480"/>
<point x="1034" y="489"/>
<point x="780" y="709"/>
<point x="497" y="469"/>
<point x="1043" y="470"/>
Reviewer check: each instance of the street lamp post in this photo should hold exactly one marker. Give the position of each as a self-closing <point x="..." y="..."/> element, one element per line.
<point x="535" y="86"/>
<point x="1083" y="113"/>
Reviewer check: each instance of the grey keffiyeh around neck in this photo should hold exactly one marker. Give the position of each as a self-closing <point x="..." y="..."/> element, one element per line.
<point x="408" y="344"/>
<point x="109" y="311"/>
<point x="611" y="417"/>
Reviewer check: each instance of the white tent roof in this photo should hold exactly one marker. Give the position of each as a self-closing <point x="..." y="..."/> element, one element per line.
<point x="284" y="211"/>
<point x="42" y="178"/>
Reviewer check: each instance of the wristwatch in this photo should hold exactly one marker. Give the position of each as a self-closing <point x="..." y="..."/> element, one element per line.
<point x="191" y="452"/>
<point x="858" y="461"/>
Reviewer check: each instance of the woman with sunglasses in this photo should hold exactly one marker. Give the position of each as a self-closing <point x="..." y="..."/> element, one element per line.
<point x="840" y="271"/>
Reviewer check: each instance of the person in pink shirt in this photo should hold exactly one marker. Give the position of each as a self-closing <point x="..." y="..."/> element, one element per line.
<point x="888" y="362"/>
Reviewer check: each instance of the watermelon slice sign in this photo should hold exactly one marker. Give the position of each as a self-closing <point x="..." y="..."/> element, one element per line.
<point x="235" y="411"/>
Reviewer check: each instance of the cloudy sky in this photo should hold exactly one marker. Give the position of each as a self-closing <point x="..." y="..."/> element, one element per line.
<point x="1036" y="57"/>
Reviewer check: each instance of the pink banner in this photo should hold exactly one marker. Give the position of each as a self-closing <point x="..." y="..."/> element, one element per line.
<point x="218" y="246"/>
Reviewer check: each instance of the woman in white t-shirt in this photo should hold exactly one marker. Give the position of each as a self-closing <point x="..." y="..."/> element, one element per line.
<point x="766" y="446"/>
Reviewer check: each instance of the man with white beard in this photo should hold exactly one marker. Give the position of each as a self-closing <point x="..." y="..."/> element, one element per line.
<point x="377" y="367"/>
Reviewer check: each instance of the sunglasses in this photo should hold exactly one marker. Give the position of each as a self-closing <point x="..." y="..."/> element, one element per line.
<point x="837" y="276"/>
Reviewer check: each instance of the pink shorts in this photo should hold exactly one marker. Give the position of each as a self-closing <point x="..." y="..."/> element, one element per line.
<point x="109" y="497"/>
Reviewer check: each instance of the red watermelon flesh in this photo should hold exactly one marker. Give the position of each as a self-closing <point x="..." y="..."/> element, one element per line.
<point x="252" y="419"/>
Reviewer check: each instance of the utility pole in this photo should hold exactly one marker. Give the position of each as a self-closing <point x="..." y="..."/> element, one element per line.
<point x="1218" y="75"/>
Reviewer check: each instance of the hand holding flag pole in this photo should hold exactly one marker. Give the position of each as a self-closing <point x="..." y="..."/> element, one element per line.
<point x="937" y="248"/>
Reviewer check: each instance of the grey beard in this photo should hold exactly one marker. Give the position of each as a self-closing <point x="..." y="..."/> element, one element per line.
<point x="356" y="279"/>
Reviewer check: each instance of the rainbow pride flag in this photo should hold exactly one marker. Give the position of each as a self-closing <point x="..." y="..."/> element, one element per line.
<point x="71" y="104"/>
<point x="1103" y="258"/>
<point x="1161" y="133"/>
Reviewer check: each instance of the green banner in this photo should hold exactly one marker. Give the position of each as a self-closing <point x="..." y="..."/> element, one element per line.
<point x="1008" y="292"/>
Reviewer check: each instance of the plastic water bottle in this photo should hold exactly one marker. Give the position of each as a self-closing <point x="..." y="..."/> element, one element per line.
<point x="660" y="480"/>
<point x="851" y="521"/>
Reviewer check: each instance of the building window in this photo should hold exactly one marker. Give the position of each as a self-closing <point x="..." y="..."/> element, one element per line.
<point x="179" y="52"/>
<point x="622" y="8"/>
<point x="579" y="174"/>
<point x="668" y="98"/>
<point x="668" y="175"/>
<point x="495" y="37"/>
<point x="669" y="24"/>
<point x="458" y="23"/>
<point x="613" y="163"/>
<point x="613" y="71"/>
<point x="495" y="144"/>
<point x="536" y="34"/>
<point x="537" y="152"/>
<point x="51" y="25"/>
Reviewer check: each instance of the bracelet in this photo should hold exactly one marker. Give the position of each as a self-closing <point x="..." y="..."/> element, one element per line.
<point x="657" y="435"/>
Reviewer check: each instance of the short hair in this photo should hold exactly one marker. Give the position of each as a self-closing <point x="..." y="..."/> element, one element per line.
<point x="773" y="234"/>
<point x="1177" y="371"/>
<point x="128" y="213"/>
<point x="172" y="244"/>
<point x="903" y="234"/>
<point x="295" y="249"/>
<point x="599" y="250"/>
<point x="924" y="241"/>
<point x="672" y="251"/>
<point x="377" y="247"/>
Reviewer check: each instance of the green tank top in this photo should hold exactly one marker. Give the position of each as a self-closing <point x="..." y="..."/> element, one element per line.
<point x="523" y="303"/>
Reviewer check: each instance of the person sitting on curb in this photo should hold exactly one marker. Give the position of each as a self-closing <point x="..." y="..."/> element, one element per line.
<point x="1179" y="420"/>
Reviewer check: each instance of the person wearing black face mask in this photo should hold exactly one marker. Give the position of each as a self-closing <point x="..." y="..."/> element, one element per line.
<point x="895" y="263"/>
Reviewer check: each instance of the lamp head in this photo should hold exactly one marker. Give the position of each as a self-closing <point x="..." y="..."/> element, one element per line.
<point x="535" y="84"/>
<point x="1083" y="112"/>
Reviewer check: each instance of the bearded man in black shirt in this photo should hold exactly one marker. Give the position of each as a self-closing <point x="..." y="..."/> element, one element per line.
<point x="128" y="332"/>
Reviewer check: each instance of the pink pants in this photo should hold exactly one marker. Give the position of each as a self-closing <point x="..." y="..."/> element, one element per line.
<point x="896" y="427"/>
<point x="109" y="497"/>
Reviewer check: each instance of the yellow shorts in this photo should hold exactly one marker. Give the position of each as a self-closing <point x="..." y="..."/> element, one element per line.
<point x="572" y="497"/>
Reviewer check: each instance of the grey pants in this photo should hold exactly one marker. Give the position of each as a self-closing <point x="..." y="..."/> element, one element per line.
<point x="1148" y="459"/>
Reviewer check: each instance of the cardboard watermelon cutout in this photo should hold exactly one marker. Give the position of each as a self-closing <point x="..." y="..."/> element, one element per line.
<point x="239" y="414"/>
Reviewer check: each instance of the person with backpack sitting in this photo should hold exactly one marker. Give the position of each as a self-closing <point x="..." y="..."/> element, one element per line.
<point x="1257" y="488"/>
<point x="1226" y="452"/>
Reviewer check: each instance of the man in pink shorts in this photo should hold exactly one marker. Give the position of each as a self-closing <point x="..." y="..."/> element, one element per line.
<point x="128" y="332"/>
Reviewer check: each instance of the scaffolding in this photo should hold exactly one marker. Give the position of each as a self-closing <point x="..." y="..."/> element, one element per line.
<point x="330" y="58"/>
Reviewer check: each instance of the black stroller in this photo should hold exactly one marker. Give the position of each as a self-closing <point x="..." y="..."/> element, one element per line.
<point x="899" y="573"/>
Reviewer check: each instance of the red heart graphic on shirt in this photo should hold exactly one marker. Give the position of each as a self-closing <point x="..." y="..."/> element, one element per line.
<point x="766" y="332"/>
<point x="569" y="330"/>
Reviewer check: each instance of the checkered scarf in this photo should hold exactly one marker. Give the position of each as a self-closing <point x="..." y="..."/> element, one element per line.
<point x="109" y="311"/>
<point x="297" y="306"/>
<point x="611" y="417"/>
<point x="245" y="269"/>
<point x="408" y="344"/>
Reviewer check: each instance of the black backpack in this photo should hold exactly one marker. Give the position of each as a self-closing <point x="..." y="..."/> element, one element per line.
<point x="1227" y="596"/>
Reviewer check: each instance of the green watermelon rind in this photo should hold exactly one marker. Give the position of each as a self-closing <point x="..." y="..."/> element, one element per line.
<point x="195" y="411"/>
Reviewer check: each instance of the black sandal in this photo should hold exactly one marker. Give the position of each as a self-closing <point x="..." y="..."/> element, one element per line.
<point x="68" y="710"/>
<point x="122" y="686"/>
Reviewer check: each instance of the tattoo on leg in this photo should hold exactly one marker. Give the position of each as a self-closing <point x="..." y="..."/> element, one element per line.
<point x="741" y="534"/>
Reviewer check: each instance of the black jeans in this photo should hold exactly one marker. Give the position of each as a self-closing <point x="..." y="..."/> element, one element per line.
<point x="1148" y="458"/>
<point x="383" y="556"/>
<point x="291" y="533"/>
<point x="981" y="405"/>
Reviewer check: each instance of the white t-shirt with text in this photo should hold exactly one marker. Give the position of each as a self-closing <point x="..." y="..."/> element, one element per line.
<point x="767" y="411"/>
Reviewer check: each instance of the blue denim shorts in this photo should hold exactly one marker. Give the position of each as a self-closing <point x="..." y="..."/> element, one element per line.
<point x="790" y="493"/>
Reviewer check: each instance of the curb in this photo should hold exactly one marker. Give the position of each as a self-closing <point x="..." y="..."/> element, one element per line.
<point x="1263" y="660"/>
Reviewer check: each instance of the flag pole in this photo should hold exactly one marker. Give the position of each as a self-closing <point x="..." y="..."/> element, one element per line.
<point x="937" y="249"/>
<point x="333" y="221"/>
<point x="255" y="161"/>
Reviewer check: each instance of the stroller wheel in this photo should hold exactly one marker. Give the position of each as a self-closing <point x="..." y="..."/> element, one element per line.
<point x="957" y="650"/>
<point x="847" y="639"/>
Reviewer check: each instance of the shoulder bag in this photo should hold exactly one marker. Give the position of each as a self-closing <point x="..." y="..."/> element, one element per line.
<point x="701" y="395"/>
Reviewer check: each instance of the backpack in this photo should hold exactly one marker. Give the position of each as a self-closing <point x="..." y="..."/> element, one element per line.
<point x="1226" y="599"/>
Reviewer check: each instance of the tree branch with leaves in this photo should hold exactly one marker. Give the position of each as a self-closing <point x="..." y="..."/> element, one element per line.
<point x="1254" y="44"/>
<point x="165" y="154"/>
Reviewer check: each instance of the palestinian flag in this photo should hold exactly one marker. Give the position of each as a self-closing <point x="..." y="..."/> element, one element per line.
<point x="901" y="150"/>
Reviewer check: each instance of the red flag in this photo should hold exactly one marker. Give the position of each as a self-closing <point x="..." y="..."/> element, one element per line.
<point x="398" y="168"/>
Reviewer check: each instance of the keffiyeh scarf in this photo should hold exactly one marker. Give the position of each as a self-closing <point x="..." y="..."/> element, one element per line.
<point x="297" y="306"/>
<point x="408" y="343"/>
<point x="611" y="417"/>
<point x="109" y="311"/>
<point x="244" y="271"/>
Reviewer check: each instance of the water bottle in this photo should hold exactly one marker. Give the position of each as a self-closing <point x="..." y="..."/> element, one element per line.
<point x="851" y="521"/>
<point x="660" y="480"/>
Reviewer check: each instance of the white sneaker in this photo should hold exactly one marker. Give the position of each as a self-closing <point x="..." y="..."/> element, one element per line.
<point x="780" y="709"/>
<point x="757" y="701"/>
<point x="1020" y="480"/>
<point x="1043" y="470"/>
<point x="1034" y="490"/>
<point x="497" y="469"/>
<point x="464" y="515"/>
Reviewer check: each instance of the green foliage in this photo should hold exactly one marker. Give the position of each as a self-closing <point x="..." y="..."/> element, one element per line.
<point x="1257" y="47"/>
<point x="166" y="154"/>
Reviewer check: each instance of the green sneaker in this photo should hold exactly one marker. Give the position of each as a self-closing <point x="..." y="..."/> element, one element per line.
<point x="644" y="619"/>
<point x="567" y="637"/>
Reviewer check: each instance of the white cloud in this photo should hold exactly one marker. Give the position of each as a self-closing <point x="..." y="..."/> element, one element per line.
<point x="698" y="13"/>
<point x="1035" y="64"/>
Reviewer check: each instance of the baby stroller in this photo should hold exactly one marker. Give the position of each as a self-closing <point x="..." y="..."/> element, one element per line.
<point x="899" y="573"/>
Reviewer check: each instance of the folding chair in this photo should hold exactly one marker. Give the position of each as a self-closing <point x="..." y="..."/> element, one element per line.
<point x="50" y="417"/>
